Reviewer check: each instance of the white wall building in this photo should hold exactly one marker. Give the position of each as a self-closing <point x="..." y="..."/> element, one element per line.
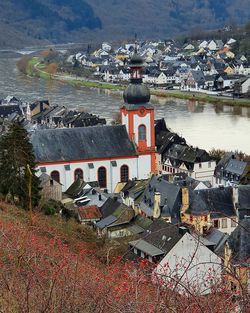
<point x="197" y="267"/>
<point x="106" y="154"/>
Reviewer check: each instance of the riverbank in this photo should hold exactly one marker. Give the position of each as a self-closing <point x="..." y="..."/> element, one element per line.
<point x="37" y="69"/>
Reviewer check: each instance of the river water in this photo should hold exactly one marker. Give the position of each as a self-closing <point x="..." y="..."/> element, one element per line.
<point x="205" y="125"/>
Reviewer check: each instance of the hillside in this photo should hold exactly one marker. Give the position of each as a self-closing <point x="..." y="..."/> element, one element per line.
<point x="50" y="267"/>
<point x="25" y="22"/>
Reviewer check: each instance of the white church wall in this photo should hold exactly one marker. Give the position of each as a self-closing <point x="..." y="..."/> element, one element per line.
<point x="91" y="174"/>
<point x="125" y="120"/>
<point x="145" y="120"/>
<point x="144" y="166"/>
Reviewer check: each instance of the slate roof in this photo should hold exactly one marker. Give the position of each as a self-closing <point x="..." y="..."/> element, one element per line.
<point x="217" y="201"/>
<point x="236" y="166"/>
<point x="161" y="235"/>
<point x="82" y="143"/>
<point x="146" y="247"/>
<point x="217" y="238"/>
<point x="6" y="110"/>
<point x="109" y="207"/>
<point x="239" y="243"/>
<point x="187" y="154"/>
<point x="170" y="198"/>
<point x="243" y="201"/>
<point x="106" y="221"/>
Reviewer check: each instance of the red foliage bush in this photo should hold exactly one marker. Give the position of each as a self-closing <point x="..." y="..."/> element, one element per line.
<point x="40" y="273"/>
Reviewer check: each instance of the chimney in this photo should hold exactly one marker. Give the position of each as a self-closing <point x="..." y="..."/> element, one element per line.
<point x="157" y="203"/>
<point x="185" y="199"/>
<point x="100" y="197"/>
<point x="236" y="199"/>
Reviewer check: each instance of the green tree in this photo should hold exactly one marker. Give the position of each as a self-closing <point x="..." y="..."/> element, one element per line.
<point x="16" y="154"/>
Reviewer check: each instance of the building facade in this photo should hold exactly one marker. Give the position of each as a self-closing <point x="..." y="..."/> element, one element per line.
<point x="106" y="154"/>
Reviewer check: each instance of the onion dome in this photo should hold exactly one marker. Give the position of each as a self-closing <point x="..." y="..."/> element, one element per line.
<point x="136" y="92"/>
<point x="136" y="61"/>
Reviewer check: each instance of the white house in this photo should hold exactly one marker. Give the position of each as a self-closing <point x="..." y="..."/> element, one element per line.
<point x="212" y="45"/>
<point x="202" y="171"/>
<point x="197" y="267"/>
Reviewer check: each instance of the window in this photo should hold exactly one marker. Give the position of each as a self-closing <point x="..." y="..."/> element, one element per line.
<point x="233" y="222"/>
<point x="102" y="177"/>
<point x="224" y="223"/>
<point x="78" y="174"/>
<point x="56" y="176"/>
<point x="216" y="224"/>
<point x="142" y="132"/>
<point x="200" y="165"/>
<point x="124" y="173"/>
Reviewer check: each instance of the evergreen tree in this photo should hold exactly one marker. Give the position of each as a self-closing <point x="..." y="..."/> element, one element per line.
<point x="16" y="154"/>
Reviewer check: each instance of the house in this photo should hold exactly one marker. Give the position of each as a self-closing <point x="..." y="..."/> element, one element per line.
<point x="132" y="191"/>
<point x="209" y="82"/>
<point x="177" y="255"/>
<point x="107" y="154"/>
<point x="225" y="81"/>
<point x="195" y="80"/>
<point x="161" y="199"/>
<point x="244" y="69"/>
<point x="237" y="259"/>
<point x="167" y="77"/>
<point x="39" y="106"/>
<point x="81" y="119"/>
<point x="89" y="214"/>
<point x="189" y="47"/>
<point x="231" y="171"/>
<point x="195" y="162"/>
<point x="50" y="188"/>
<point x="6" y="110"/>
<point x="117" y="224"/>
<point x="212" y="45"/>
<point x="189" y="260"/>
<point x="242" y="86"/>
<point x="203" y="44"/>
<point x="155" y="242"/>
<point x="213" y="207"/>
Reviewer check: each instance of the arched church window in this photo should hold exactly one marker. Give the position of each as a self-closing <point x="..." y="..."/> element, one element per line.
<point x="55" y="175"/>
<point x="124" y="173"/>
<point x="102" y="177"/>
<point x="78" y="173"/>
<point x="142" y="132"/>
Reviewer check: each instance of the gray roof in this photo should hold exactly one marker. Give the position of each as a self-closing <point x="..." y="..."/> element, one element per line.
<point x="236" y="167"/>
<point x="82" y="143"/>
<point x="244" y="201"/>
<point x="170" y="197"/>
<point x="146" y="247"/>
<point x="217" y="201"/>
<point x="239" y="242"/>
<point x="106" y="221"/>
<point x="162" y="235"/>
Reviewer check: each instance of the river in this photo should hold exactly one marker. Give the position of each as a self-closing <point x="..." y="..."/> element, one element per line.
<point x="205" y="125"/>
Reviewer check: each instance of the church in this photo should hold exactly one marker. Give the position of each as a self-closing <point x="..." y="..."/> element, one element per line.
<point x="106" y="154"/>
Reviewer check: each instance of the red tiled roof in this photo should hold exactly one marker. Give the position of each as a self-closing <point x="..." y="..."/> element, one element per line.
<point x="89" y="212"/>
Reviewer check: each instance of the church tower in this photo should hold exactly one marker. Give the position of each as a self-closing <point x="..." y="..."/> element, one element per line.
<point x="138" y="114"/>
